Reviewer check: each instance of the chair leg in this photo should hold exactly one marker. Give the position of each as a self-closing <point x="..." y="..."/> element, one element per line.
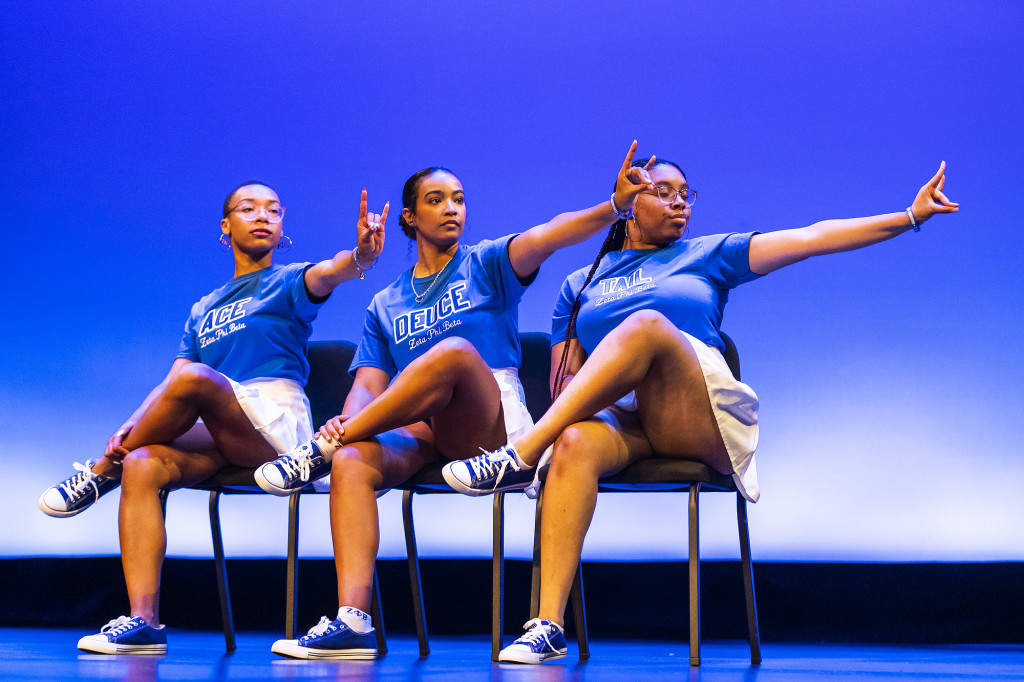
<point x="579" y="613"/>
<point x="748" y="580"/>
<point x="535" y="572"/>
<point x="498" y="577"/>
<point x="222" y="572"/>
<point x="377" y="617"/>
<point x="291" y="608"/>
<point x="414" y="574"/>
<point x="162" y="494"/>
<point x="694" y="561"/>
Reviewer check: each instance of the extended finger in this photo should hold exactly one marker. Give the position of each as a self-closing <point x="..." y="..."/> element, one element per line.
<point x="650" y="164"/>
<point x="362" y="204"/>
<point x="629" y="158"/>
<point x="384" y="214"/>
<point x="943" y="200"/>
<point x="934" y="182"/>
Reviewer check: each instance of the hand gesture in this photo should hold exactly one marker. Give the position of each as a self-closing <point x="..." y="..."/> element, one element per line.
<point x="116" y="451"/>
<point x="370" y="228"/>
<point x="930" y="199"/>
<point x="632" y="181"/>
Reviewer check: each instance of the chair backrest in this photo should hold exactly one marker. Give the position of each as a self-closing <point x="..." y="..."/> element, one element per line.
<point x="731" y="355"/>
<point x="535" y="371"/>
<point x="329" y="381"/>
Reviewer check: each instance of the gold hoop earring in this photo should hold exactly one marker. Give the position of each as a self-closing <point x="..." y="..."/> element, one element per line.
<point x="285" y="244"/>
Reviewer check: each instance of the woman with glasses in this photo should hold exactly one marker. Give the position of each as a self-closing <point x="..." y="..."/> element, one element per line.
<point x="435" y="376"/>
<point x="638" y="369"/>
<point x="233" y="396"/>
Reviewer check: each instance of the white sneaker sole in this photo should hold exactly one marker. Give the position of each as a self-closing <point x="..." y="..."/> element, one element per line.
<point x="519" y="656"/>
<point x="103" y="646"/>
<point x="269" y="487"/>
<point x="291" y="648"/>
<point x="56" y="513"/>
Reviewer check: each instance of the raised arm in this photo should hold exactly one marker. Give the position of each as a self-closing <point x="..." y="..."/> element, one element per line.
<point x="773" y="250"/>
<point x="327" y="274"/>
<point x="531" y="248"/>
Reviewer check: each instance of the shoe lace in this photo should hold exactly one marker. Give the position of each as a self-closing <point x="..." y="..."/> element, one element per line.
<point x="80" y="484"/>
<point x="536" y="631"/>
<point x="298" y="465"/>
<point x="490" y="464"/>
<point x="320" y="628"/>
<point x="117" y="626"/>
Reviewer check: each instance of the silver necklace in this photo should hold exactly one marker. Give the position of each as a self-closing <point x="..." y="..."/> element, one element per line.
<point x="419" y="297"/>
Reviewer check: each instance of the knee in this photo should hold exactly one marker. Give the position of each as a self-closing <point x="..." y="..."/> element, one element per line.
<point x="453" y="354"/>
<point x="141" y="471"/>
<point x="193" y="380"/>
<point x="351" y="467"/>
<point x="647" y="323"/>
<point x="574" y="455"/>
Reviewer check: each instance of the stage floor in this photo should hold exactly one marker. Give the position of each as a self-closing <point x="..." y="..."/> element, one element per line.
<point x="51" y="655"/>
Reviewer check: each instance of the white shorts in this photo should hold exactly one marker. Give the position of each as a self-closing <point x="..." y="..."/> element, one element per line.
<point x="278" y="409"/>
<point x="735" y="407"/>
<point x="513" y="402"/>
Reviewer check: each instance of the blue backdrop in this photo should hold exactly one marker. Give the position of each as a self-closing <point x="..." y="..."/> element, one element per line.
<point x="891" y="420"/>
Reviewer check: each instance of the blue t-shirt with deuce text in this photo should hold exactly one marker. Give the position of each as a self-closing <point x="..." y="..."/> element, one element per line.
<point x="476" y="297"/>
<point x="256" y="325"/>
<point x="687" y="281"/>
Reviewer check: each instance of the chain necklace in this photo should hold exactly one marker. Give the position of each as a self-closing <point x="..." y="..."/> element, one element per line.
<point x="419" y="297"/>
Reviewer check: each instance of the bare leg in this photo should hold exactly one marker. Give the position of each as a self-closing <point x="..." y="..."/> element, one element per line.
<point x="452" y="386"/>
<point x="583" y="453"/>
<point x="646" y="354"/>
<point x="358" y="471"/>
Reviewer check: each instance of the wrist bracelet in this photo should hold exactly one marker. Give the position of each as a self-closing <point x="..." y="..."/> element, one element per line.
<point x="359" y="266"/>
<point x="913" y="221"/>
<point x="615" y="209"/>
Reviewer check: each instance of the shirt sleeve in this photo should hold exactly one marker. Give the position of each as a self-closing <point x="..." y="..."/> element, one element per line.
<point x="188" y="348"/>
<point x="494" y="257"/>
<point x="562" y="312"/>
<point x="727" y="259"/>
<point x="305" y="309"/>
<point x="373" y="349"/>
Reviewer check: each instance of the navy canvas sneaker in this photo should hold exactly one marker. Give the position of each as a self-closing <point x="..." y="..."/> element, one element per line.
<point x="290" y="472"/>
<point x="543" y="641"/>
<point x="75" y="494"/>
<point x="330" y="639"/>
<point x="125" y="635"/>
<point x="488" y="473"/>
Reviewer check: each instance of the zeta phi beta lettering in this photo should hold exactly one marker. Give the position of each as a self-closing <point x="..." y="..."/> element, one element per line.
<point x="615" y="288"/>
<point x="222" y="321"/>
<point x="416" y="322"/>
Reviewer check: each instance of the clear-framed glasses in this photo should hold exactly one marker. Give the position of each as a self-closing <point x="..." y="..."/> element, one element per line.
<point x="249" y="211"/>
<point x="668" y="195"/>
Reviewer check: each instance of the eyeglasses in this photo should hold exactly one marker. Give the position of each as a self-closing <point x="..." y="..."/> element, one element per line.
<point x="668" y="195"/>
<point x="250" y="212"/>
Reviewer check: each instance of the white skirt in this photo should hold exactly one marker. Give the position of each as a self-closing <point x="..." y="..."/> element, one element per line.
<point x="513" y="402"/>
<point x="735" y="407"/>
<point x="278" y="409"/>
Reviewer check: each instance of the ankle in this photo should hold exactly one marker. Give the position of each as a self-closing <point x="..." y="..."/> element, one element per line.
<point x="107" y="469"/>
<point x="326" y="447"/>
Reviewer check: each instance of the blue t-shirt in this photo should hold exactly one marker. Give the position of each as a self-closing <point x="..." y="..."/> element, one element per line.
<point x="256" y="325"/>
<point x="476" y="297"/>
<point x="687" y="281"/>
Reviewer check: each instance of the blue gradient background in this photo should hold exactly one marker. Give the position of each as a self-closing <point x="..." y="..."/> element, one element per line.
<point x="891" y="417"/>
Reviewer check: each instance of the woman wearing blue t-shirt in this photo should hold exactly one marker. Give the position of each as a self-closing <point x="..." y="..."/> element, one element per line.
<point x="636" y="353"/>
<point x="233" y="396"/>
<point x="447" y="332"/>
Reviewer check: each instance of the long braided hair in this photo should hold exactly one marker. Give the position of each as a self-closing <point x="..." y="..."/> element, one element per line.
<point x="612" y="242"/>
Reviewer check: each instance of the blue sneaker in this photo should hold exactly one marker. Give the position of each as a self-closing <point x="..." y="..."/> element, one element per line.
<point x="544" y="640"/>
<point x="292" y="471"/>
<point x="329" y="639"/>
<point x="488" y="473"/>
<point x="77" y="493"/>
<point x="125" y="635"/>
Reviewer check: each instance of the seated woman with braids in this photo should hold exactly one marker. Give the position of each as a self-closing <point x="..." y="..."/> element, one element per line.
<point x="638" y="368"/>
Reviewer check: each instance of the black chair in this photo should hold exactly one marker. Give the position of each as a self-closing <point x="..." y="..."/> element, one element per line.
<point x="670" y="475"/>
<point x="328" y="386"/>
<point x="533" y="375"/>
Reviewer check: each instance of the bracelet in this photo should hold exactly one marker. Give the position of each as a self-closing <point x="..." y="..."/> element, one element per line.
<point x="359" y="266"/>
<point x="615" y="209"/>
<point x="913" y="221"/>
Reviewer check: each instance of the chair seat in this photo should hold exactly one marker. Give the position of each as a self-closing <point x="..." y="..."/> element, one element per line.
<point x="428" y="480"/>
<point x="231" y="479"/>
<point x="665" y="474"/>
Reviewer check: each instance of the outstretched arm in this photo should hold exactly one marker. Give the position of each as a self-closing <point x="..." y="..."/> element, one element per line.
<point x="327" y="274"/>
<point x="773" y="250"/>
<point x="531" y="248"/>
